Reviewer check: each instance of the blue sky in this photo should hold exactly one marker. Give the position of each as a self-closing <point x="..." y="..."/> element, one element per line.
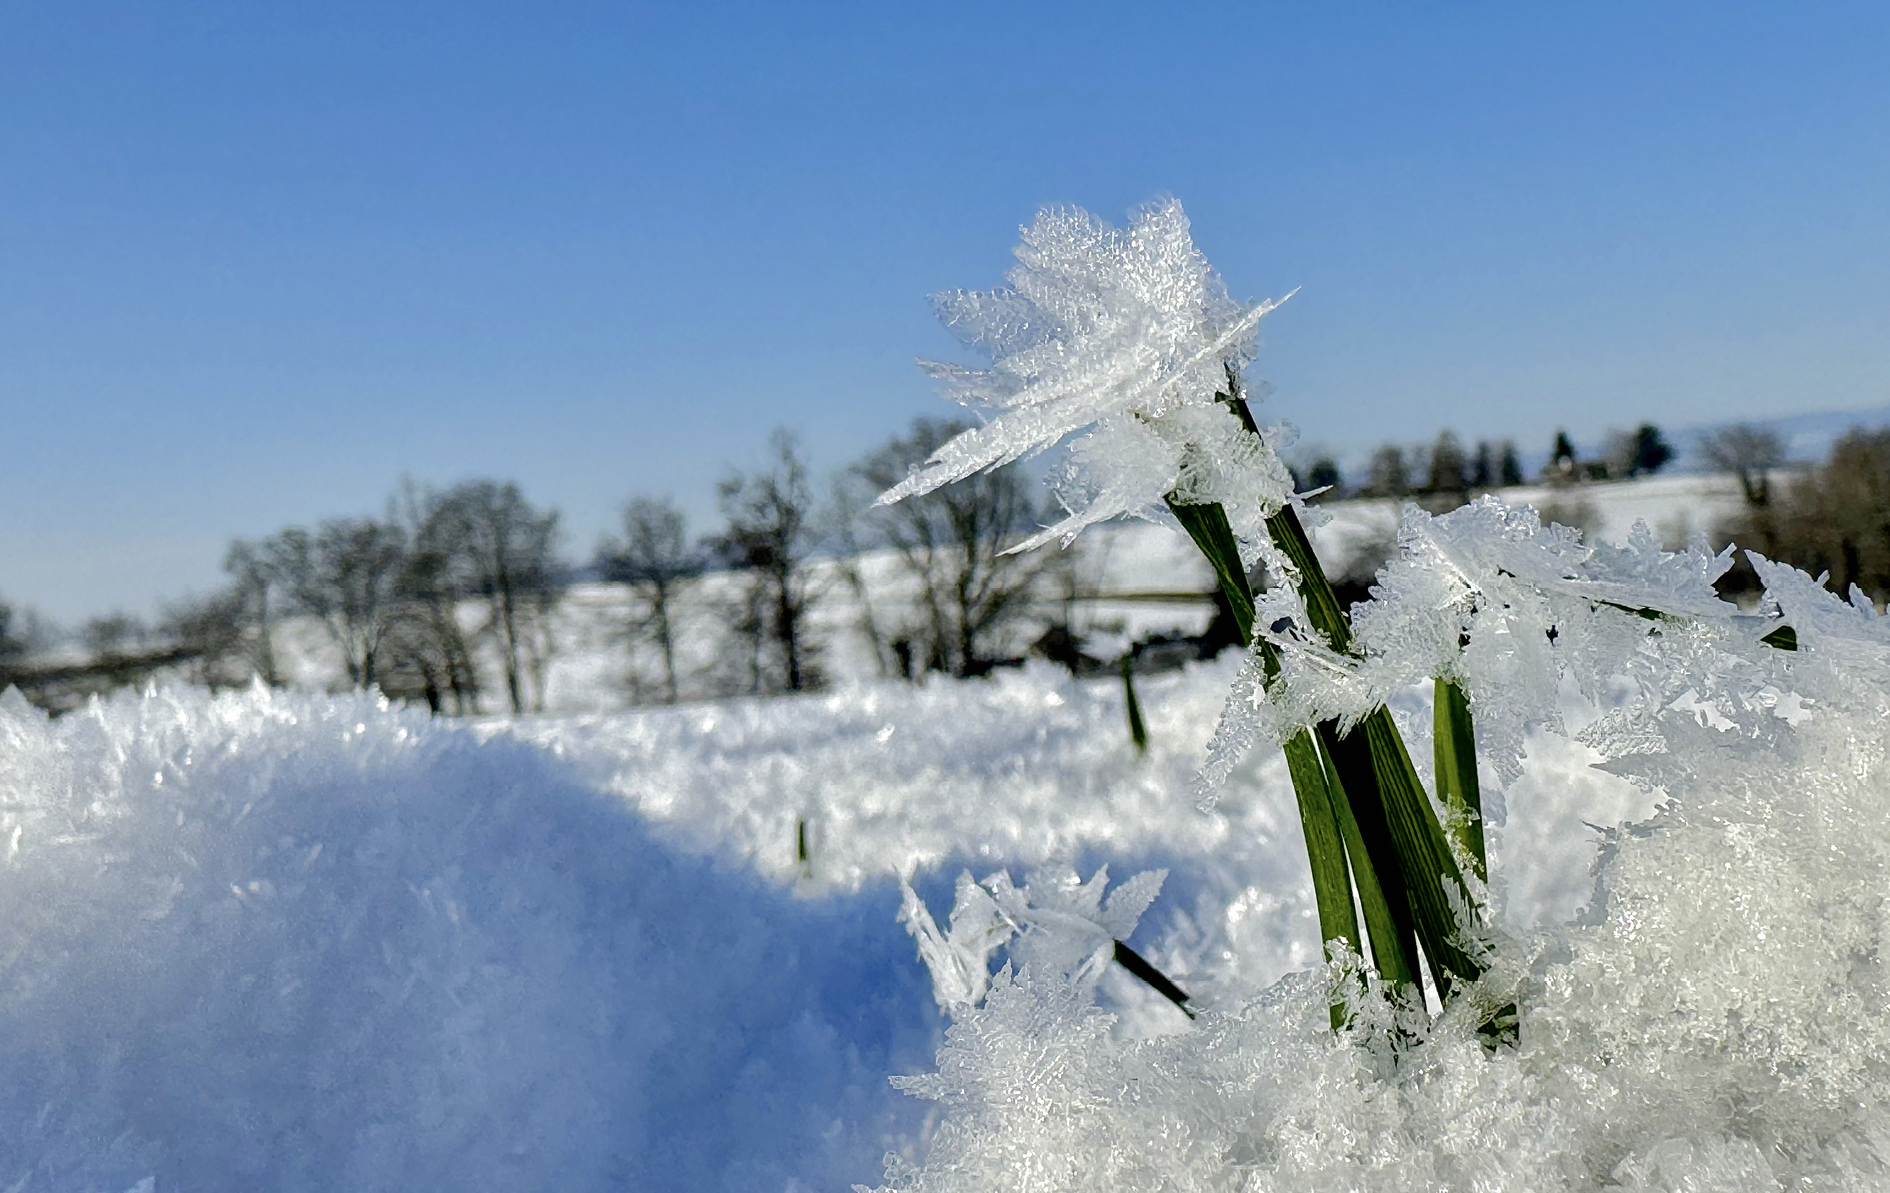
<point x="259" y="262"/>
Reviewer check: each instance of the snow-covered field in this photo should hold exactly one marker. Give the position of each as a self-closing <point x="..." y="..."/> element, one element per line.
<point x="296" y="941"/>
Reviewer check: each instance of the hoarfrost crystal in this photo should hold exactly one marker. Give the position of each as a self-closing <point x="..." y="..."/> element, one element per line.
<point x="1490" y="596"/>
<point x="1130" y="335"/>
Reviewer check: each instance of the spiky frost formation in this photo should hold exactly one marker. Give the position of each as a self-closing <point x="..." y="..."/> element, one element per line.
<point x="1718" y="1019"/>
<point x="1061" y="925"/>
<point x="1492" y="597"/>
<point x="1125" y="332"/>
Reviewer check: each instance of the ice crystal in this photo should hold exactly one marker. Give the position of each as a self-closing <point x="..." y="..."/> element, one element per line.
<point x="1125" y="333"/>
<point x="1512" y="608"/>
<point x="1717" y="1019"/>
<point x="1063" y="927"/>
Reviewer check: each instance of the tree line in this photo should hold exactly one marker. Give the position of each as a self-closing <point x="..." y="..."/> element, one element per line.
<point x="1445" y="469"/>
<point x="450" y="597"/>
<point x="1831" y="519"/>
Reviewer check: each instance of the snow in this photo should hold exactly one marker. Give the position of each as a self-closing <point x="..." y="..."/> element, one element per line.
<point x="290" y="942"/>
<point x="287" y="941"/>
<point x="1713" y="1018"/>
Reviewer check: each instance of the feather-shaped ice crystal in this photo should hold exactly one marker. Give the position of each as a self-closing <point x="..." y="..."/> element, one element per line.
<point x="1126" y="332"/>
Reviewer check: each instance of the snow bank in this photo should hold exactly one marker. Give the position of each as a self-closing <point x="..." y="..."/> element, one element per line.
<point x="280" y="942"/>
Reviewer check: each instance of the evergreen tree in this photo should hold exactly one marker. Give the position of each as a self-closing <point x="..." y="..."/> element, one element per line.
<point x="1510" y="471"/>
<point x="1650" y="449"/>
<point x="1483" y="468"/>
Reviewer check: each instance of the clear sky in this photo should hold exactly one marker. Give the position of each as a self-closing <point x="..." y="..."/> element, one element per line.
<point x="258" y="262"/>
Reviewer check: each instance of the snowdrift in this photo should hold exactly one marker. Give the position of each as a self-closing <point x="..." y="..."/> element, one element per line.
<point x="278" y="942"/>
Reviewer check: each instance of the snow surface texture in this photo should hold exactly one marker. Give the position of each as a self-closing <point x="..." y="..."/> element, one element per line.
<point x="276" y="942"/>
<point x="1715" y="1020"/>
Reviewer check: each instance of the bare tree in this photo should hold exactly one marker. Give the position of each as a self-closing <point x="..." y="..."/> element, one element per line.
<point x="1834" y="518"/>
<point x="952" y="543"/>
<point x="14" y="646"/>
<point x="655" y="559"/>
<point x="1750" y="454"/>
<point x="769" y="535"/>
<point x="431" y="648"/>
<point x="210" y="638"/>
<point x="257" y="592"/>
<point x="347" y="575"/>
<point x="505" y="552"/>
<point x="113" y="634"/>
<point x="848" y="499"/>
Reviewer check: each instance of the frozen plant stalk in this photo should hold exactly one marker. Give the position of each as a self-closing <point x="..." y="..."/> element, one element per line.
<point x="1128" y="341"/>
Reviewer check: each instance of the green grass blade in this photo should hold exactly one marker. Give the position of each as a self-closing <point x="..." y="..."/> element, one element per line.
<point x="1454" y="743"/>
<point x="1156" y="980"/>
<point x="1138" y="732"/>
<point x="1394" y="944"/>
<point x="1423" y="853"/>
<point x="1401" y="834"/>
<point x="1374" y="852"/>
<point x="1322" y="604"/>
<point x="1207" y="525"/>
<point x="1325" y="849"/>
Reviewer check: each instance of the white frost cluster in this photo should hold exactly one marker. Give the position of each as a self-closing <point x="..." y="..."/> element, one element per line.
<point x="1511" y="608"/>
<point x="1056" y="925"/>
<point x="1718" y="1019"/>
<point x="1125" y="333"/>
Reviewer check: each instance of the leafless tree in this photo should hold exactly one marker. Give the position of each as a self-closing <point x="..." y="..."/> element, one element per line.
<point x="951" y="542"/>
<point x="113" y="634"/>
<point x="655" y="559"/>
<point x="1834" y="518"/>
<point x="429" y="649"/>
<point x="505" y="552"/>
<point x="769" y="535"/>
<point x="1750" y="454"/>
<point x="211" y="638"/>
<point x="348" y="574"/>
<point x="14" y="646"/>
<point x="258" y="592"/>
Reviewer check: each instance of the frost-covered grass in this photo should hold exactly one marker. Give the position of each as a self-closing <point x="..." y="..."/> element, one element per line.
<point x="286" y="941"/>
<point x="1715" y="1019"/>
